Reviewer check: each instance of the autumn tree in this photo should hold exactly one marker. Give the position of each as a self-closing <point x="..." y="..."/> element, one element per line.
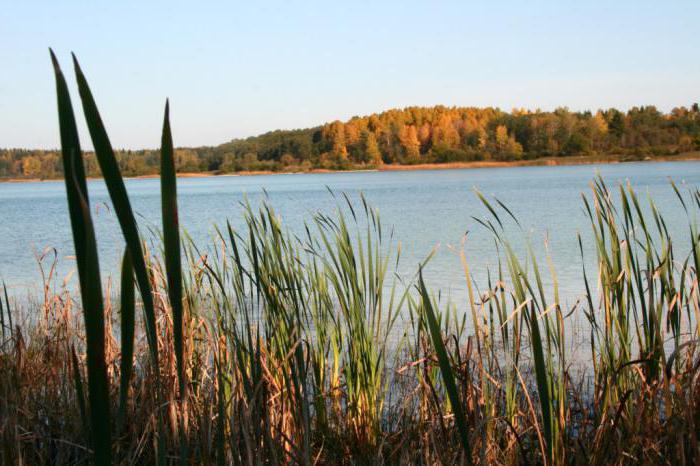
<point x="371" y="149"/>
<point x="444" y="133"/>
<point x="409" y="135"/>
<point x="339" y="151"/>
<point x="31" y="167"/>
<point x="505" y="145"/>
<point x="408" y="138"/>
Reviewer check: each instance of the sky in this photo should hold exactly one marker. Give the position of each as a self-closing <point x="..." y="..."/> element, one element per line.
<point x="236" y="69"/>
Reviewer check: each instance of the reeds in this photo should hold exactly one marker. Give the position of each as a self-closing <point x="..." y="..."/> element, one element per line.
<point x="89" y="274"/>
<point x="269" y="347"/>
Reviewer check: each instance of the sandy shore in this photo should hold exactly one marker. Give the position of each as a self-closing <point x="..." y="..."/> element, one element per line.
<point x="544" y="161"/>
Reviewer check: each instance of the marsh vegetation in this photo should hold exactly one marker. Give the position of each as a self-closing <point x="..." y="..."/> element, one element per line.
<point x="277" y="348"/>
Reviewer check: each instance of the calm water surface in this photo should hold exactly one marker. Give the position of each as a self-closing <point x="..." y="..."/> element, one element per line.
<point x="426" y="209"/>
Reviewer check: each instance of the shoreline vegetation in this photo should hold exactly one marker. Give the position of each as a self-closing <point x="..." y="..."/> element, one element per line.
<point x="269" y="347"/>
<point x="412" y="137"/>
<point x="534" y="162"/>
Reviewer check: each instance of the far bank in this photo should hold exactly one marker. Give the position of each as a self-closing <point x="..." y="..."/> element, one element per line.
<point x="542" y="161"/>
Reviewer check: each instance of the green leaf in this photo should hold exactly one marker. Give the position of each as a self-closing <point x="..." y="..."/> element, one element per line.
<point x="542" y="380"/>
<point x="122" y="206"/>
<point x="445" y="369"/>
<point x="127" y="333"/>
<point x="88" y="272"/>
<point x="7" y="306"/>
<point x="173" y="264"/>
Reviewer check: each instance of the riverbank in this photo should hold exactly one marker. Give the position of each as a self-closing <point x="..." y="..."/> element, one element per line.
<point x="538" y="162"/>
<point x="545" y="161"/>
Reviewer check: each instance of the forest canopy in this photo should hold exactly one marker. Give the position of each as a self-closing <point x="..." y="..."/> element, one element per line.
<point x="411" y="135"/>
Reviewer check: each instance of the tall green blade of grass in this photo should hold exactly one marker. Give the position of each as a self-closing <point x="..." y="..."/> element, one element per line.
<point x="543" y="365"/>
<point x="171" y="242"/>
<point x="523" y="287"/>
<point x="171" y="239"/>
<point x="543" y="380"/>
<point x="127" y="333"/>
<point x="117" y="193"/>
<point x="445" y="369"/>
<point x="7" y="306"/>
<point x="88" y="272"/>
<point x="2" y="319"/>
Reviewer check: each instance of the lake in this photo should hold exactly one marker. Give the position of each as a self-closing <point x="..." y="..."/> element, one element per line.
<point x="426" y="209"/>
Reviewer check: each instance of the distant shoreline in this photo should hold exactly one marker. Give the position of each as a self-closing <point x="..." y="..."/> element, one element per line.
<point x="538" y="162"/>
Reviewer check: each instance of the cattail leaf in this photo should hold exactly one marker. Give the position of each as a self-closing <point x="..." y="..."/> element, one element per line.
<point x="127" y="333"/>
<point x="117" y="193"/>
<point x="88" y="271"/>
<point x="173" y="264"/>
<point x="445" y="369"/>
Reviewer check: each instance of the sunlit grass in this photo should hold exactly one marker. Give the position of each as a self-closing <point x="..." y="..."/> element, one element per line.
<point x="270" y="347"/>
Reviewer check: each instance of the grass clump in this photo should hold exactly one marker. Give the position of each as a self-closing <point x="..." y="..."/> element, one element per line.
<point x="269" y="347"/>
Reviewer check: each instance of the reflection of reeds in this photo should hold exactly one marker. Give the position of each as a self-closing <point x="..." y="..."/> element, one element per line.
<point x="275" y="348"/>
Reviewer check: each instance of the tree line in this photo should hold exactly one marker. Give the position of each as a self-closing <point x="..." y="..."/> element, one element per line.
<point x="411" y="135"/>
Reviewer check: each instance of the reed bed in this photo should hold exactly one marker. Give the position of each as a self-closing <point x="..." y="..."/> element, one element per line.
<point x="268" y="347"/>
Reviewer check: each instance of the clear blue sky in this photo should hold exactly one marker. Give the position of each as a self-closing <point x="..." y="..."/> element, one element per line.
<point x="235" y="69"/>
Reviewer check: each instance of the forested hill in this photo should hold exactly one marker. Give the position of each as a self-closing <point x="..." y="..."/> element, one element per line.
<point x="409" y="136"/>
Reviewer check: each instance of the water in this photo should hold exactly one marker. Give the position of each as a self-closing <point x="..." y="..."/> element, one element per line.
<point x="426" y="209"/>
